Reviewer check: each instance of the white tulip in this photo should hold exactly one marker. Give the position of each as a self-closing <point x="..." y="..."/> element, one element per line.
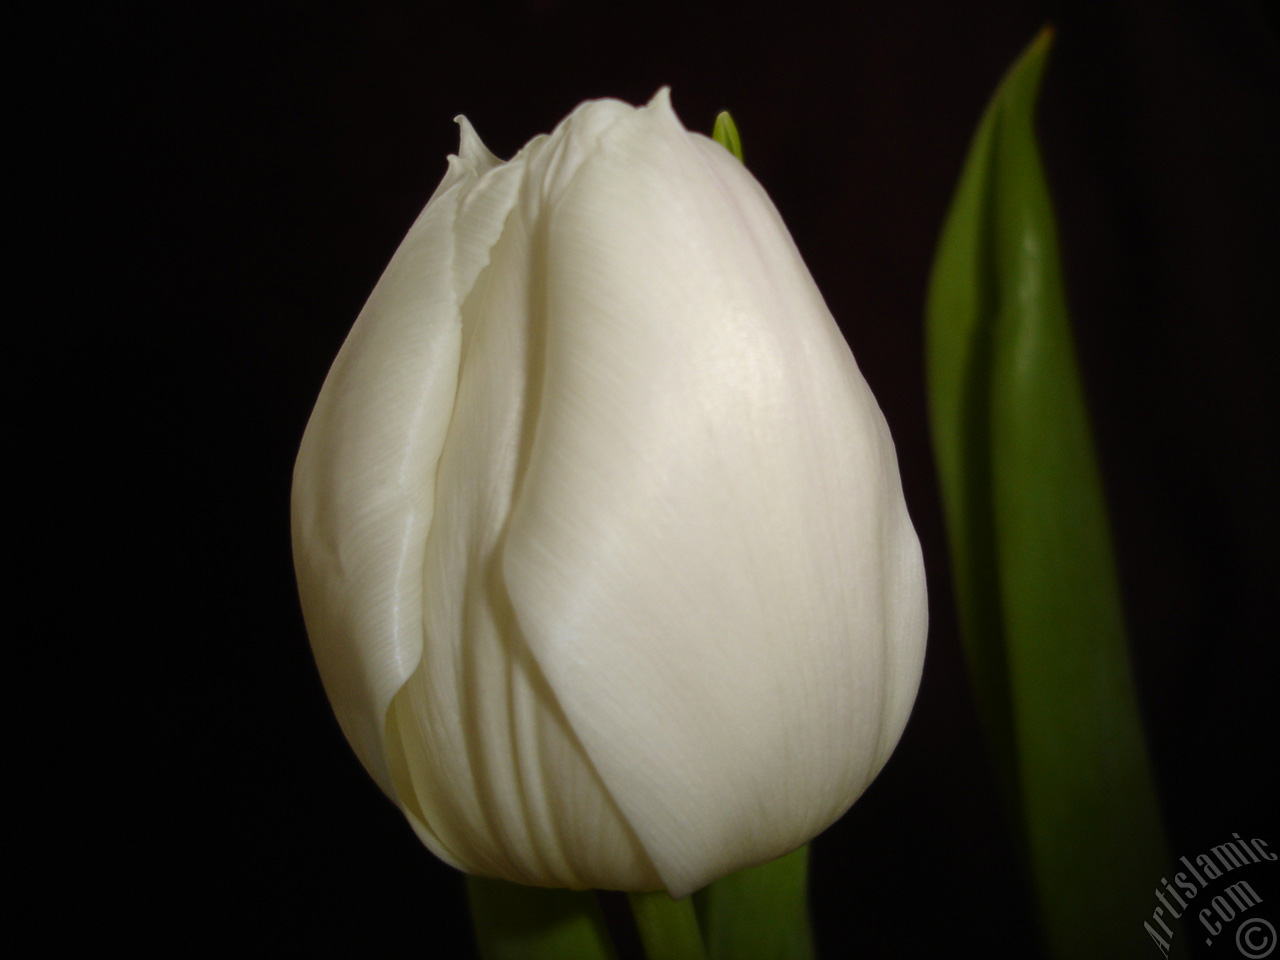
<point x="599" y="533"/>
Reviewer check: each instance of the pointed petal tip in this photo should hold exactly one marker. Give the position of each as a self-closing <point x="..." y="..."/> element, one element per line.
<point x="660" y="104"/>
<point x="662" y="97"/>
<point x="471" y="148"/>
<point x="661" y="101"/>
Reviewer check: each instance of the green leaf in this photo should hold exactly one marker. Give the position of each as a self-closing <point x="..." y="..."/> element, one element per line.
<point x="725" y="133"/>
<point x="761" y="913"/>
<point x="1031" y="552"/>
<point x="668" y="928"/>
<point x="515" y="922"/>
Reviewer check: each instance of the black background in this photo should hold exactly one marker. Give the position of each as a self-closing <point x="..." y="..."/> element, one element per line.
<point x="220" y="189"/>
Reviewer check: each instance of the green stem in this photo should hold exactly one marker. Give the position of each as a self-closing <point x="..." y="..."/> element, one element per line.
<point x="668" y="928"/>
<point x="761" y="913"/>
<point x="515" y="922"/>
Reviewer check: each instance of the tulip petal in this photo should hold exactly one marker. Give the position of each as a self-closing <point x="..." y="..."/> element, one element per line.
<point x="709" y="557"/>
<point x="486" y="764"/>
<point x="364" y="482"/>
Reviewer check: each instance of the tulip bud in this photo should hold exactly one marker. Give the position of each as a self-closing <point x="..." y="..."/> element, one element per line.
<point x="598" y="529"/>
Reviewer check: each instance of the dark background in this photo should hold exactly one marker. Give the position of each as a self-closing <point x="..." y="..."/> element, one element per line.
<point x="221" y="188"/>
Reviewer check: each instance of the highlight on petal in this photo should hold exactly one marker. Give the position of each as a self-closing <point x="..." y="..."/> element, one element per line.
<point x="712" y="520"/>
